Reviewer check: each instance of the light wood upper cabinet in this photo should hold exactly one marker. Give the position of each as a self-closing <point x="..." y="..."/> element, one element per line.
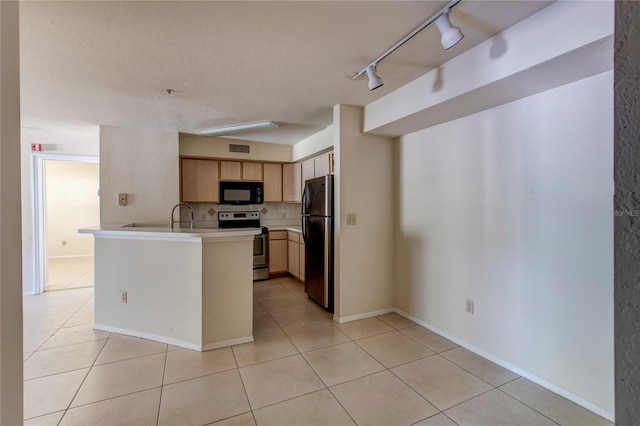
<point x="318" y="166"/>
<point x="272" y="182"/>
<point x="251" y="171"/>
<point x="240" y="170"/>
<point x="230" y="170"/>
<point x="292" y="182"/>
<point x="308" y="170"/>
<point x="199" y="181"/>
<point x="322" y="164"/>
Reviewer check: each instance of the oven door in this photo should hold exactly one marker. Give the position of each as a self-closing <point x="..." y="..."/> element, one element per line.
<point x="260" y="250"/>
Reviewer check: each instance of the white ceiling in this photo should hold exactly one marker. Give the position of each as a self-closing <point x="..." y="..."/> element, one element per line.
<point x="88" y="63"/>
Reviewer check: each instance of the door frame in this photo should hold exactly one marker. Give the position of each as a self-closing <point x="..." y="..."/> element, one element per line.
<point x="39" y="213"/>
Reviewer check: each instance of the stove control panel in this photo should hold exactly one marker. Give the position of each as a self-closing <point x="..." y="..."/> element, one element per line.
<point x="239" y="216"/>
<point x="239" y="219"/>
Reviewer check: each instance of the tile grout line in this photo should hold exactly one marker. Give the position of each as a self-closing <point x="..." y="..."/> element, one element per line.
<point x="84" y="379"/>
<point x="244" y="387"/>
<point x="164" y="372"/>
<point x="525" y="404"/>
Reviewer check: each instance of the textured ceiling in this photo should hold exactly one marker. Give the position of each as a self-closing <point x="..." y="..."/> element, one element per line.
<point x="85" y="64"/>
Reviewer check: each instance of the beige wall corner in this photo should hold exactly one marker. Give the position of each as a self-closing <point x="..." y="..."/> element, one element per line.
<point x="11" y="372"/>
<point x="313" y="144"/>
<point x="200" y="146"/>
<point x="363" y="186"/>
<point x="142" y="164"/>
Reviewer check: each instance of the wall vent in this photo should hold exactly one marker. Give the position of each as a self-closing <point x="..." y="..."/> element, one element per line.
<point x="233" y="147"/>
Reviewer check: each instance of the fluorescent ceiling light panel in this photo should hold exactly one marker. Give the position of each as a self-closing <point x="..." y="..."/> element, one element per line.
<point x="239" y="128"/>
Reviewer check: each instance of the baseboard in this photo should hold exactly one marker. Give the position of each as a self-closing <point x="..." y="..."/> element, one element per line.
<point x="519" y="371"/>
<point x="350" y="318"/>
<point x="279" y="275"/>
<point x="174" y="342"/>
<point x="69" y="256"/>
<point x="225" y="343"/>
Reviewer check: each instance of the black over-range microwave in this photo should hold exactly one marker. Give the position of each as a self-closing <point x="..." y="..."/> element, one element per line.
<point x="241" y="192"/>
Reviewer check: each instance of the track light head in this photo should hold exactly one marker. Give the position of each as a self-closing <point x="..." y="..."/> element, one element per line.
<point x="374" y="79"/>
<point x="450" y="35"/>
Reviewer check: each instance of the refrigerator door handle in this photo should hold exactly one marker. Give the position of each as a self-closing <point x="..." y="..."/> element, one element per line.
<point x="305" y="204"/>
<point x="304" y="228"/>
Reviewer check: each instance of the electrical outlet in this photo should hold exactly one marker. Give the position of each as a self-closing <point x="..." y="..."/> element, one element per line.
<point x="124" y="296"/>
<point x="122" y="199"/>
<point x="469" y="306"/>
<point x="351" y="219"/>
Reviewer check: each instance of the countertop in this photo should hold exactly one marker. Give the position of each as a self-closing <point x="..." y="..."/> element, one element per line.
<point x="164" y="232"/>
<point x="285" y="228"/>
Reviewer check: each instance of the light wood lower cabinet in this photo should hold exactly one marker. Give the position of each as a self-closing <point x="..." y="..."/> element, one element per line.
<point x="294" y="254"/>
<point x="286" y="253"/>
<point x="278" y="252"/>
<point x="301" y="277"/>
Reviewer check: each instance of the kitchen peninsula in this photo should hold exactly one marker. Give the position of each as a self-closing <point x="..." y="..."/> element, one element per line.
<point x="190" y="288"/>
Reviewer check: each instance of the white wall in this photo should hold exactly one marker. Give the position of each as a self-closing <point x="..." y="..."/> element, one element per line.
<point x="72" y="203"/>
<point x="143" y="164"/>
<point x="511" y="207"/>
<point x="363" y="185"/>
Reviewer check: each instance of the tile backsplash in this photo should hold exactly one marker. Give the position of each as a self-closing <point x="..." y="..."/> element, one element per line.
<point x="271" y="214"/>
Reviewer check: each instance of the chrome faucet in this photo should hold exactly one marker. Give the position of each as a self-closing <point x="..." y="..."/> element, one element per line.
<point x="193" y="224"/>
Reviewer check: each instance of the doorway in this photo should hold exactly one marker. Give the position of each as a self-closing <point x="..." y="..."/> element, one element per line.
<point x="66" y="198"/>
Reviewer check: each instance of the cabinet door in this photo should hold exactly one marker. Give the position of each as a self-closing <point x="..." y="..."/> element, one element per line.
<point x="251" y="171"/>
<point x="308" y="170"/>
<point x="199" y="181"/>
<point x="301" y="260"/>
<point x="230" y="170"/>
<point x="272" y="182"/>
<point x="292" y="183"/>
<point x="294" y="258"/>
<point x="322" y="164"/>
<point x="277" y="256"/>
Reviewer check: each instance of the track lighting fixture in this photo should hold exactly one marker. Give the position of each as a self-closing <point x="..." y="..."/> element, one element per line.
<point x="374" y="79"/>
<point x="450" y="37"/>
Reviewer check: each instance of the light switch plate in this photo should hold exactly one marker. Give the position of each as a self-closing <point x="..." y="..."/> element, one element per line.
<point x="351" y="219"/>
<point x="122" y="199"/>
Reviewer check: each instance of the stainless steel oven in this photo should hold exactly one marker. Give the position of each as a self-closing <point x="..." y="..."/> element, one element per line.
<point x="260" y="242"/>
<point x="261" y="255"/>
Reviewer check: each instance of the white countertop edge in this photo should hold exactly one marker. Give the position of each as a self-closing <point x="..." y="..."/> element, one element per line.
<point x="285" y="228"/>
<point x="179" y="234"/>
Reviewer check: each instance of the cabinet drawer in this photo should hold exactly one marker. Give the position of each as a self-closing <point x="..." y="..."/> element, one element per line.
<point x="277" y="235"/>
<point x="294" y="236"/>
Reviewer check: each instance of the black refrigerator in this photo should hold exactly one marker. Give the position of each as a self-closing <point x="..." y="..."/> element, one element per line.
<point x="317" y="231"/>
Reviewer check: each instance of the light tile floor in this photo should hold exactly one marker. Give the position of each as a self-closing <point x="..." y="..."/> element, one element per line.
<point x="69" y="272"/>
<point x="302" y="369"/>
